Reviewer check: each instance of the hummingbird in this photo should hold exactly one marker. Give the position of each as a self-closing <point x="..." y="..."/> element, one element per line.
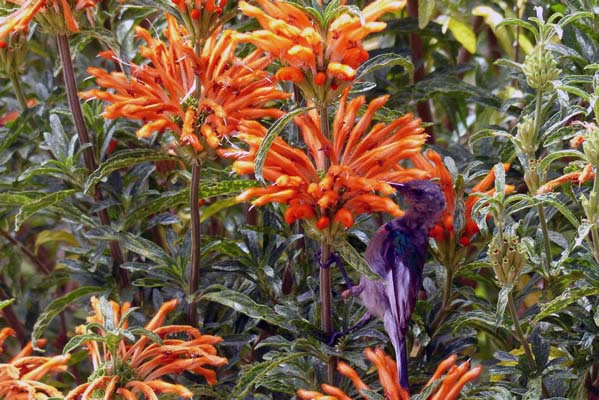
<point x="396" y="253"/>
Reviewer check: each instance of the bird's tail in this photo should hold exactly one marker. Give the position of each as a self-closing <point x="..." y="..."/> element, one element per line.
<point x="401" y="356"/>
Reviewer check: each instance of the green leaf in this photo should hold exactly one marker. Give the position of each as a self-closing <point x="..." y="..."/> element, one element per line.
<point x="522" y="24"/>
<point x="14" y="199"/>
<point x="273" y="132"/>
<point x="222" y="188"/>
<point x="243" y="304"/>
<point x="216" y="207"/>
<point x="499" y="178"/>
<point x="146" y="333"/>
<point x="551" y="157"/>
<point x="385" y="61"/>
<point x="252" y="376"/>
<point x="354" y="259"/>
<point x="372" y="395"/>
<point x="79" y="340"/>
<point x="134" y="243"/>
<point x="56" y="308"/>
<point x="502" y="301"/>
<point x="6" y="303"/>
<point x="463" y="33"/>
<point x="560" y="303"/>
<point x="45" y="237"/>
<point x="36" y="205"/>
<point x="426" y="9"/>
<point x="123" y="159"/>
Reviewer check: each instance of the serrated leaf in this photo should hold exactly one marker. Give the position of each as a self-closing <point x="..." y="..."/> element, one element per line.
<point x="243" y="304"/>
<point x="36" y="205"/>
<point x="502" y="301"/>
<point x="79" y="340"/>
<point x="426" y="9"/>
<point x="463" y="33"/>
<point x="251" y="377"/>
<point x="216" y="207"/>
<point x="564" y="300"/>
<point x="273" y="132"/>
<point x="136" y="244"/>
<point x="6" y="303"/>
<point x="354" y="259"/>
<point x="385" y="61"/>
<point x="123" y="159"/>
<point x="45" y="237"/>
<point x="56" y="308"/>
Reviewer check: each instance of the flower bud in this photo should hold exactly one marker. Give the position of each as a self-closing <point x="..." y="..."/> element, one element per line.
<point x="526" y="135"/>
<point x="540" y="69"/>
<point x="507" y="257"/>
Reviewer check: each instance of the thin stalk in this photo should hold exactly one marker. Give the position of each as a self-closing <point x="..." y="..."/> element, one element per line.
<point x="119" y="274"/>
<point x="194" y="208"/>
<point x="326" y="304"/>
<point x="194" y="205"/>
<point x="41" y="266"/>
<point x="595" y="230"/>
<point x="519" y="332"/>
<point x="540" y="207"/>
<point x="16" y="85"/>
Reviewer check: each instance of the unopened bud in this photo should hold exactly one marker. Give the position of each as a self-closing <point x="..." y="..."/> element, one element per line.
<point x="540" y="69"/>
<point x="507" y="258"/>
<point x="526" y="135"/>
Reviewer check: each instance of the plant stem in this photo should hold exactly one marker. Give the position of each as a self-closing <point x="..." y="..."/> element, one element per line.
<point x="194" y="205"/>
<point x="119" y="274"/>
<point x="593" y="219"/>
<point x="540" y="207"/>
<point x="41" y="266"/>
<point x="326" y="305"/>
<point x="519" y="333"/>
<point x="16" y="85"/>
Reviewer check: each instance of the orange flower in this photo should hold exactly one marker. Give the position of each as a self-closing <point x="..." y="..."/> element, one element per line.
<point x="20" y="377"/>
<point x="297" y="39"/>
<point x="587" y="171"/>
<point x="450" y="387"/>
<point x="140" y="366"/>
<point x="444" y="230"/>
<point x="19" y="20"/>
<point x="163" y="93"/>
<point x="201" y="17"/>
<point x="362" y="162"/>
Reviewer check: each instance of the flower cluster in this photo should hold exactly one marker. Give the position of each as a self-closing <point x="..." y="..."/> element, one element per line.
<point x="57" y="14"/>
<point x="132" y="369"/>
<point x="362" y="161"/>
<point x="201" y="17"/>
<point x="449" y="379"/>
<point x="164" y="92"/>
<point x="322" y="60"/>
<point x="21" y="377"/>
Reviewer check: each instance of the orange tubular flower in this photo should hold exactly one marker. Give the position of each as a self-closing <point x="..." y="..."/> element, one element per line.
<point x="330" y="54"/>
<point x="142" y="365"/>
<point x="19" y="20"/>
<point x="453" y="379"/>
<point x="444" y="230"/>
<point x="20" y="377"/>
<point x="163" y="94"/>
<point x="362" y="162"/>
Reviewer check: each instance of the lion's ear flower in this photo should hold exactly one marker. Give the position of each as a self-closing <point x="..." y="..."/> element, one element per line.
<point x="363" y="160"/>
<point x="138" y="368"/>
<point x="321" y="60"/>
<point x="449" y="379"/>
<point x="21" y="377"/>
<point x="162" y="92"/>
<point x="59" y="15"/>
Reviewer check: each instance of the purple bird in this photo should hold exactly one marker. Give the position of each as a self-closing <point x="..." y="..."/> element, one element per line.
<point x="397" y="253"/>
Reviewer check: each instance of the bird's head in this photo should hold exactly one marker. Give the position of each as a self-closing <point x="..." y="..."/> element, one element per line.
<point x="424" y="197"/>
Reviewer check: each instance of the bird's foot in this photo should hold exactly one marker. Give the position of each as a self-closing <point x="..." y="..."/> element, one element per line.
<point x="335" y="259"/>
<point x="334" y="337"/>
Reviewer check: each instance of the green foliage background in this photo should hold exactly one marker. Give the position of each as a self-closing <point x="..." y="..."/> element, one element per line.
<point x="258" y="280"/>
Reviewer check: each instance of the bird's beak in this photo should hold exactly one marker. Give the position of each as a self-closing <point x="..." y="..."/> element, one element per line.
<point x="398" y="186"/>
